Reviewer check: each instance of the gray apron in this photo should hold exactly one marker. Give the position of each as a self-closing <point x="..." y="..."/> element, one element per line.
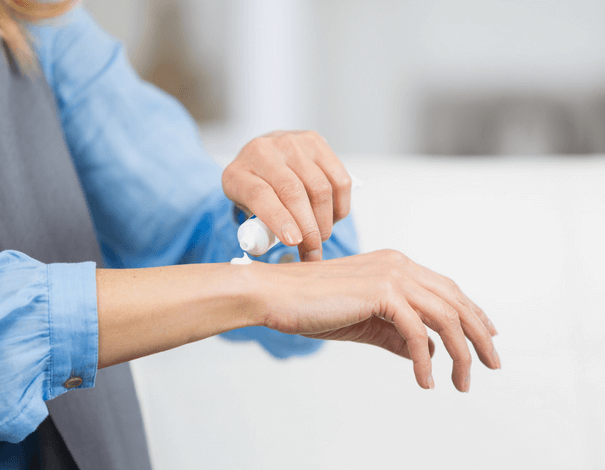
<point x="43" y="213"/>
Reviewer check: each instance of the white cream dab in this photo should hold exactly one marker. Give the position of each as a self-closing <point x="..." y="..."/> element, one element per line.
<point x="243" y="260"/>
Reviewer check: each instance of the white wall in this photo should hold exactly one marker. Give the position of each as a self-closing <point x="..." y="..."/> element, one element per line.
<point x="523" y="238"/>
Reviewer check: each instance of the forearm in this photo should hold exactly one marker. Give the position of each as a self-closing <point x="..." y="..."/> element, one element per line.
<point x="145" y="311"/>
<point x="381" y="298"/>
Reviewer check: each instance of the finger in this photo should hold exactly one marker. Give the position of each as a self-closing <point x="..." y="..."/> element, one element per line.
<point x="319" y="191"/>
<point x="291" y="192"/>
<point x="385" y="335"/>
<point x="261" y="199"/>
<point x="441" y="317"/>
<point x="474" y="329"/>
<point x="414" y="332"/>
<point x="430" y="278"/>
<point x="481" y="314"/>
<point x="338" y="177"/>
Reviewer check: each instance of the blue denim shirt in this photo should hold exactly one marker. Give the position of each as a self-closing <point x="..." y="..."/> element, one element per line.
<point x="155" y="198"/>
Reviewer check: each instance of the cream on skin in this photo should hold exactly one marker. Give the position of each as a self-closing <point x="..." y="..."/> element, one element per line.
<point x="241" y="261"/>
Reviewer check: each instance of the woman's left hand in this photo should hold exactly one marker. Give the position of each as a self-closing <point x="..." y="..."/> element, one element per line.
<point x="295" y="184"/>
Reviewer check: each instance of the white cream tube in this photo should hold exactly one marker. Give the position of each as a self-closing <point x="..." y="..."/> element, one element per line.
<point x="255" y="237"/>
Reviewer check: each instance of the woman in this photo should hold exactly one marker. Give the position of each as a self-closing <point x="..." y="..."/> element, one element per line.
<point x="92" y="158"/>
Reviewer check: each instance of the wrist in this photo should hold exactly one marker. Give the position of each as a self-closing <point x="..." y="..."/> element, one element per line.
<point x="249" y="289"/>
<point x="272" y="294"/>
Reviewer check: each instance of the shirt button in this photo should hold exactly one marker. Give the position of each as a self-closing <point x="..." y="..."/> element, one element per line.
<point x="287" y="258"/>
<point x="73" y="382"/>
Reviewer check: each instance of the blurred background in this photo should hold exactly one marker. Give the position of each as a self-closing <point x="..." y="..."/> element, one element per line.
<point x="392" y="76"/>
<point x="482" y="123"/>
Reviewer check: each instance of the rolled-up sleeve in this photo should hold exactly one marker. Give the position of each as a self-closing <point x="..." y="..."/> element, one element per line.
<point x="166" y="204"/>
<point x="48" y="337"/>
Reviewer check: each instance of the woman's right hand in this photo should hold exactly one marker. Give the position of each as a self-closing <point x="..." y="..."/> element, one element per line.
<point x="381" y="298"/>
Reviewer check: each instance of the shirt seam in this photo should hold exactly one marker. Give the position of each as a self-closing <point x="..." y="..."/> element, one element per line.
<point x="50" y="335"/>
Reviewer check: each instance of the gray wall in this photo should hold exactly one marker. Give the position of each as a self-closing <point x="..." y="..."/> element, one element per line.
<point x="390" y="76"/>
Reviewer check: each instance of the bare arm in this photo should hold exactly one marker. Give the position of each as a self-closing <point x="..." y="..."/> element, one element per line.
<point x="145" y="311"/>
<point x="381" y="298"/>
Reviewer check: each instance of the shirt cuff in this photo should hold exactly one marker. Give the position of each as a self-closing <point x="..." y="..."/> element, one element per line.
<point x="74" y="330"/>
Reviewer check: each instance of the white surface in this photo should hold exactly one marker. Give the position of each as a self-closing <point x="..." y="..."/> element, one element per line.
<point x="524" y="238"/>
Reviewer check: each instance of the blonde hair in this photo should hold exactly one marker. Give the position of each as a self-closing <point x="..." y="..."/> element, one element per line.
<point x="12" y="32"/>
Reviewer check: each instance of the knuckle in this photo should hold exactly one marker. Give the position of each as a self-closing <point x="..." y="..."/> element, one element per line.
<point x="227" y="176"/>
<point x="320" y="190"/>
<point x="326" y="233"/>
<point x="326" y="236"/>
<point x="255" y="146"/>
<point x="394" y="271"/>
<point x="344" y="182"/>
<point x="424" y="363"/>
<point x="421" y="336"/>
<point x="450" y="315"/>
<point x="288" y="190"/>
<point x="460" y="298"/>
<point x="289" y="138"/>
<point x="312" y="236"/>
<point x="451" y="284"/>
<point x="312" y="135"/>
<point x="275" y="214"/>
<point x="394" y="257"/>
<point x="466" y="359"/>
<point x="257" y="192"/>
<point x="389" y="288"/>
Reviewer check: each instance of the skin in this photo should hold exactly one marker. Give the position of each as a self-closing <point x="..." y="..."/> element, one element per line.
<point x="381" y="298"/>
<point x="295" y="184"/>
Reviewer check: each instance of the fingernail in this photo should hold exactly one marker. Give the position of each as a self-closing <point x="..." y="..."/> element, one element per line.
<point x="291" y="234"/>
<point x="496" y="359"/>
<point x="430" y="382"/>
<point x="314" y="255"/>
<point x="467" y="383"/>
